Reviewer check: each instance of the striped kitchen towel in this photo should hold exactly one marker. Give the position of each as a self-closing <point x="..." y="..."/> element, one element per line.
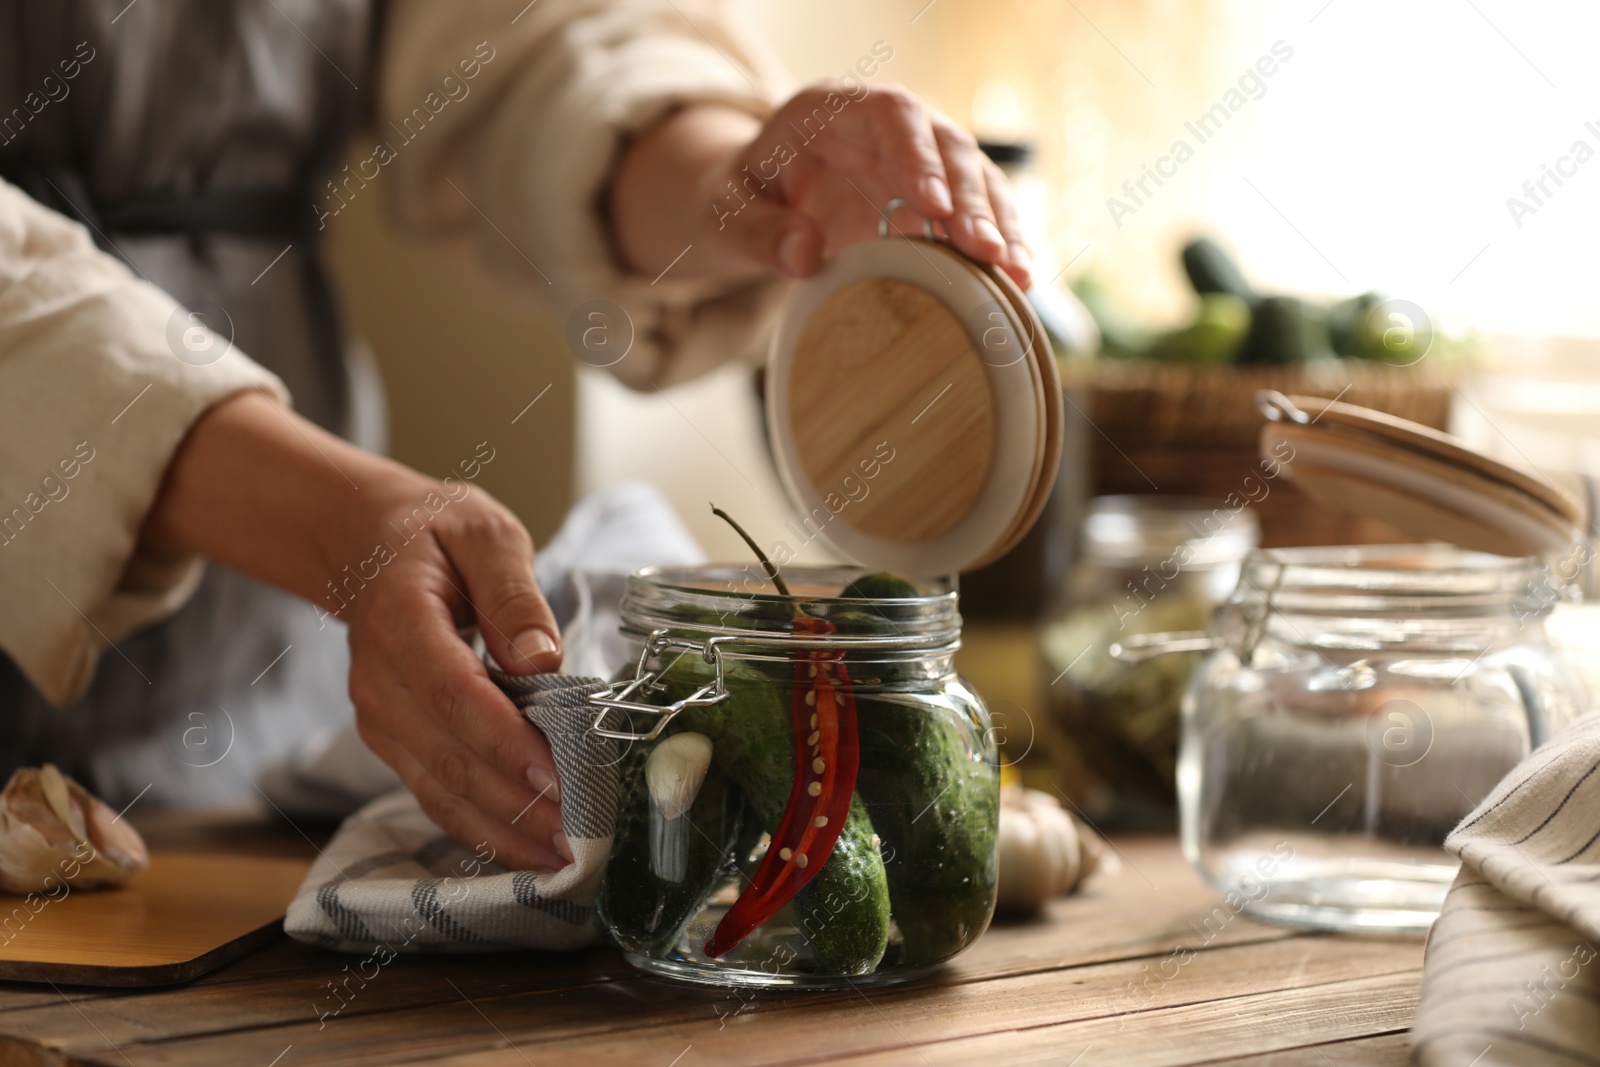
<point x="391" y="881"/>
<point x="1512" y="973"/>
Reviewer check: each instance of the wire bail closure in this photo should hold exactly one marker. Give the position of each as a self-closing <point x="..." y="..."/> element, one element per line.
<point x="1276" y="407"/>
<point x="632" y="695"/>
<point x="619" y="696"/>
<point x="884" y="225"/>
<point x="1141" y="648"/>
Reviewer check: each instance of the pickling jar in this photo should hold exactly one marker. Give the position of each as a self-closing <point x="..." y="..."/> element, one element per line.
<point x="1355" y="705"/>
<point x="1147" y="564"/>
<point x="741" y="725"/>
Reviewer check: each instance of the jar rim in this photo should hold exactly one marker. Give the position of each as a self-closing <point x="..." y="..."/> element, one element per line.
<point x="1418" y="579"/>
<point x="1147" y="528"/>
<point x="723" y="598"/>
<point x="691" y="578"/>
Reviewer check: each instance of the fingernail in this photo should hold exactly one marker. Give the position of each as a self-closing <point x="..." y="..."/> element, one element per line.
<point x="988" y="234"/>
<point x="561" y="846"/>
<point x="533" y="643"/>
<point x="937" y="193"/>
<point x="544" y="780"/>
<point x="789" y="250"/>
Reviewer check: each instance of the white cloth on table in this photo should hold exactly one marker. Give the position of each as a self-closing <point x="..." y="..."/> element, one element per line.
<point x="1512" y="974"/>
<point x="391" y="880"/>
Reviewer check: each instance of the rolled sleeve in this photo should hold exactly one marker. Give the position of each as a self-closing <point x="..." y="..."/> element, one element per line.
<point x="93" y="404"/>
<point x="512" y="171"/>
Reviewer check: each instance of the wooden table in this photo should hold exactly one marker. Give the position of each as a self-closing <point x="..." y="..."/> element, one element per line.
<point x="1148" y="967"/>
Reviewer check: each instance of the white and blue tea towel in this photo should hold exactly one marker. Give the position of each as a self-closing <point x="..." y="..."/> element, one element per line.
<point x="391" y="880"/>
<point x="1512" y="974"/>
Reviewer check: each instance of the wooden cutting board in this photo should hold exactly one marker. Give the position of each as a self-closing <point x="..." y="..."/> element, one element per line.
<point x="186" y="915"/>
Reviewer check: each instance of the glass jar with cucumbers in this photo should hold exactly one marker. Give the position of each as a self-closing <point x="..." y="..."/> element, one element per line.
<point x="809" y="794"/>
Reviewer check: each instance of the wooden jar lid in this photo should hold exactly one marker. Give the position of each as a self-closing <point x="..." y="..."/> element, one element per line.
<point x="914" y="408"/>
<point x="1429" y="484"/>
<point x="1051" y="410"/>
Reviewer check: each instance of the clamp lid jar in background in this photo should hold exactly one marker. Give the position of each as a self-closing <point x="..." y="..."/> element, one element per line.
<point x="1148" y="564"/>
<point x="1358" y="704"/>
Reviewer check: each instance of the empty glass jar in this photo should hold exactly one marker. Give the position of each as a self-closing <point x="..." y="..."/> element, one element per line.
<point x="809" y="793"/>
<point x="1357" y="704"/>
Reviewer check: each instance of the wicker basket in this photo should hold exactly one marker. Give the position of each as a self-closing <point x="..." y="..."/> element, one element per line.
<point x="1191" y="431"/>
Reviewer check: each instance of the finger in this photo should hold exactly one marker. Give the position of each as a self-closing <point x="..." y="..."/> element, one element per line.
<point x="1018" y="260"/>
<point x="493" y="554"/>
<point x="764" y="233"/>
<point x="463" y="821"/>
<point x="441" y="679"/>
<point x="908" y="150"/>
<point x="461" y="771"/>
<point x="972" y="227"/>
<point x="531" y="802"/>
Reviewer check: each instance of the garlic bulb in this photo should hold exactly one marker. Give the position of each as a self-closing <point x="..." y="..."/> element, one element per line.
<point x="674" y="772"/>
<point x="54" y="832"/>
<point x="1043" y="852"/>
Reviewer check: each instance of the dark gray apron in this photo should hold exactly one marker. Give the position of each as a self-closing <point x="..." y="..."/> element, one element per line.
<point x="193" y="141"/>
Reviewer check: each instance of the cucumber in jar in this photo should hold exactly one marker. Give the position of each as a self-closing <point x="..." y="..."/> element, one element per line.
<point x="880" y="585"/>
<point x="935" y="806"/>
<point x="843" y="911"/>
<point x="934" y="798"/>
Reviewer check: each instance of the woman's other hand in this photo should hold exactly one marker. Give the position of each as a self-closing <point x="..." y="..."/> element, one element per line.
<point x="711" y="191"/>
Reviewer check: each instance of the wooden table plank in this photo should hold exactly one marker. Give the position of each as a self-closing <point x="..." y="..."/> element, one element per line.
<point x="302" y="998"/>
<point x="1210" y="1031"/>
<point x="628" y="1021"/>
<point x="1094" y="927"/>
<point x="980" y="1023"/>
<point x="1385" y="1050"/>
<point x="1134" y="965"/>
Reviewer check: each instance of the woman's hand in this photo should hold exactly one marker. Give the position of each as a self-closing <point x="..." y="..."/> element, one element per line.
<point x="745" y="197"/>
<point x="404" y="560"/>
<point x="424" y="702"/>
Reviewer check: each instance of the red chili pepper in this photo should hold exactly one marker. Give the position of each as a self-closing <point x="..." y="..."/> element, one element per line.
<point x="827" y="756"/>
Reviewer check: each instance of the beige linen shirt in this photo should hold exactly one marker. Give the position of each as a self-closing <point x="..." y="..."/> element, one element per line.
<point x="526" y="107"/>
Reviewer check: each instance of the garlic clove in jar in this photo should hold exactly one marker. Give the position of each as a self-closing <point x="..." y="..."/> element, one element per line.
<point x="52" y="829"/>
<point x="674" y="772"/>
